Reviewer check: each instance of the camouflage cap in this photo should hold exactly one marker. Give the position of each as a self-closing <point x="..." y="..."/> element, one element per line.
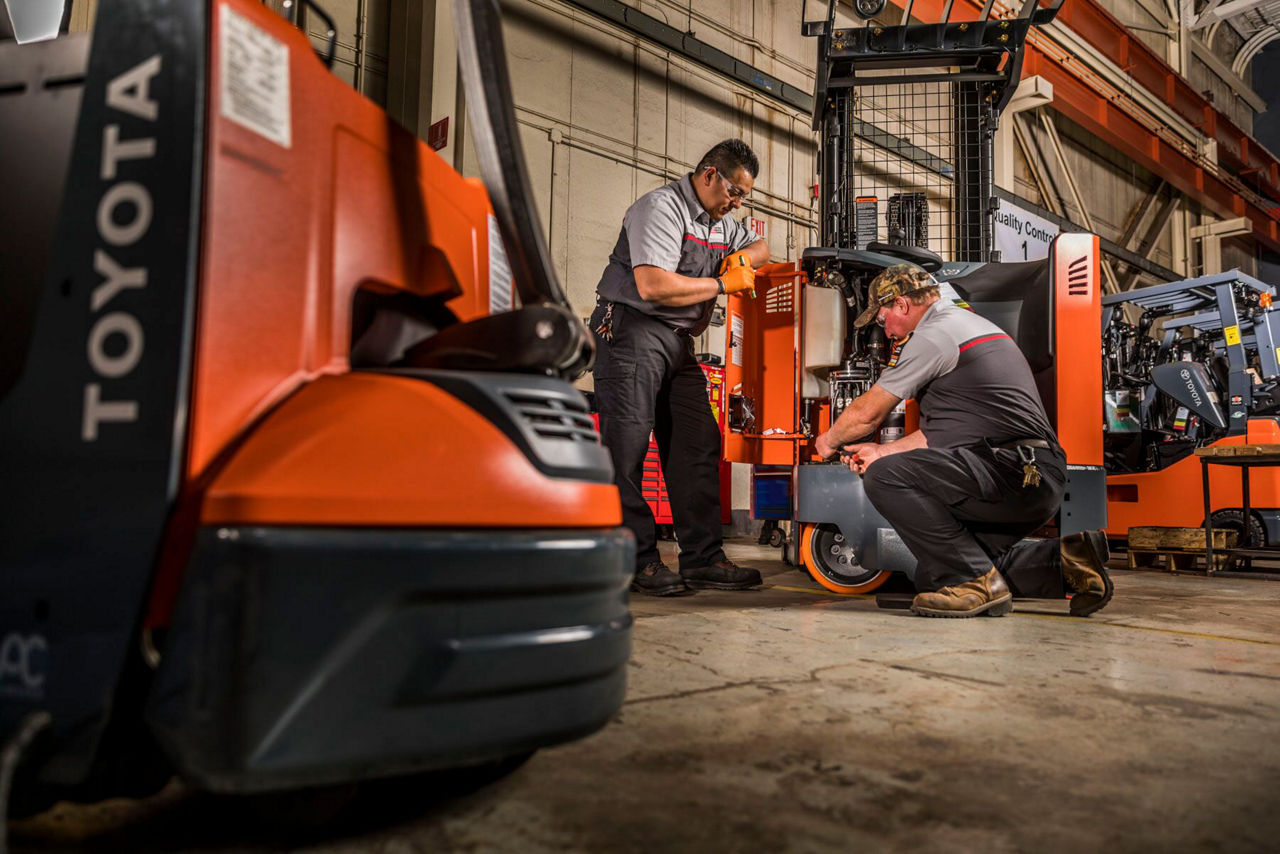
<point x="896" y="281"/>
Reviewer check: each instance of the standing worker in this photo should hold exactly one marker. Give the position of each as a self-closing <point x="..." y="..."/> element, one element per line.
<point x="678" y="250"/>
<point x="984" y="470"/>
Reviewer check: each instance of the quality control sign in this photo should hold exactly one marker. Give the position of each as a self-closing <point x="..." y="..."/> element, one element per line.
<point x="1021" y="235"/>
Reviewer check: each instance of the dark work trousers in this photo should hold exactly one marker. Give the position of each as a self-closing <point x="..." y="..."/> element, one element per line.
<point x="962" y="510"/>
<point x="648" y="379"/>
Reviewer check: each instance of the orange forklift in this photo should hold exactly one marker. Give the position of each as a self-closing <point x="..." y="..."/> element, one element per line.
<point x="292" y="495"/>
<point x="905" y="116"/>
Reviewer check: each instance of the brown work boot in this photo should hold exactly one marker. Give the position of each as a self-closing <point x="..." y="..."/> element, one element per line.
<point x="724" y="574"/>
<point x="656" y="579"/>
<point x="985" y="595"/>
<point x="1084" y="571"/>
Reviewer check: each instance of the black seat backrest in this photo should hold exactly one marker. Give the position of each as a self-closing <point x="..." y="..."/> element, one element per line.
<point x="1220" y="369"/>
<point x="1018" y="298"/>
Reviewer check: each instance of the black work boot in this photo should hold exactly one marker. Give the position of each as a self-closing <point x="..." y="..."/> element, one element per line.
<point x="655" y="579"/>
<point x="724" y="574"/>
<point x="1084" y="570"/>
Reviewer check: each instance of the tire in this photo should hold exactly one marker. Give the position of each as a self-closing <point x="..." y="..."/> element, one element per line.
<point x="831" y="561"/>
<point x="1232" y="520"/>
<point x="776" y="538"/>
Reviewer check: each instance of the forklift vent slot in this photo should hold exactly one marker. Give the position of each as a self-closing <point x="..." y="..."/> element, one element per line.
<point x="554" y="417"/>
<point x="779" y="299"/>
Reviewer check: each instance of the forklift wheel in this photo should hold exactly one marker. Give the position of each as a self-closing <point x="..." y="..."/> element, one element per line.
<point x="830" y="560"/>
<point x="1233" y="520"/>
<point x="776" y="538"/>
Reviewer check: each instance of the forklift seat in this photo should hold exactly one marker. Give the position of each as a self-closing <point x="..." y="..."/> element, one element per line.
<point x="1017" y="298"/>
<point x="540" y="339"/>
<point x="1220" y="370"/>
<point x="404" y="330"/>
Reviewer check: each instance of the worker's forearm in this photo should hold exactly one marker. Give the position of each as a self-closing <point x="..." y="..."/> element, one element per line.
<point x="757" y="253"/>
<point x="851" y="426"/>
<point x="909" y="442"/>
<point x="664" y="287"/>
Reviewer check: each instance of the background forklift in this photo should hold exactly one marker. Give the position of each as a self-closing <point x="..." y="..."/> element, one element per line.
<point x="906" y="117"/>
<point x="1190" y="364"/>
<point x="284" y="504"/>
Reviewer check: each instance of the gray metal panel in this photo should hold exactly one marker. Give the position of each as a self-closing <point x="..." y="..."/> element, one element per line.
<point x="828" y="492"/>
<point x="1192" y="293"/>
<point x="1265" y="340"/>
<point x="1084" y="502"/>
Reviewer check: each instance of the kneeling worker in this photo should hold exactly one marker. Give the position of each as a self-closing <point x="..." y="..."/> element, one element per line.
<point x="984" y="470"/>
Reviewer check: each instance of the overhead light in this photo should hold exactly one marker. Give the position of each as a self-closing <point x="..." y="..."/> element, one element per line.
<point x="33" y="20"/>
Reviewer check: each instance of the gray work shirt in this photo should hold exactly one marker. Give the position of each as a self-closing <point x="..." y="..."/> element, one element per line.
<point x="970" y="380"/>
<point x="669" y="228"/>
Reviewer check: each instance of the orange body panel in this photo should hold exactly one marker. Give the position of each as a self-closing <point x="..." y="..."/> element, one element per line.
<point x="763" y="364"/>
<point x="350" y="450"/>
<point x="290" y="232"/>
<point x="1078" y="347"/>
<point x="1174" y="496"/>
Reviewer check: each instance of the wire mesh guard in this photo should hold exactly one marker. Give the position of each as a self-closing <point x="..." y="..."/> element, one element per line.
<point x="915" y="170"/>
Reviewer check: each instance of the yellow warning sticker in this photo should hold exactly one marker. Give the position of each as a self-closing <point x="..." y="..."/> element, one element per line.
<point x="1233" y="334"/>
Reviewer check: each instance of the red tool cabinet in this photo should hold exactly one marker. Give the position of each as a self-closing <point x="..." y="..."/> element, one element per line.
<point x="654" y="486"/>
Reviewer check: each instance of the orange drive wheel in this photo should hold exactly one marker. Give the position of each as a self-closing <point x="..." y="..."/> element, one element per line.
<point x="831" y="561"/>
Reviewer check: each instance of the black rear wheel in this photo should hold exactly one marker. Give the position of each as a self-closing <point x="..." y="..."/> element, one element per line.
<point x="1233" y="520"/>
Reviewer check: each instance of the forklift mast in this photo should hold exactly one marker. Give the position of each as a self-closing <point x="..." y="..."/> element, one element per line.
<point x="906" y="117"/>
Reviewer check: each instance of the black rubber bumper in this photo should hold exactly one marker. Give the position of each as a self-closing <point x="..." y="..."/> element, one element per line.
<point x="312" y="656"/>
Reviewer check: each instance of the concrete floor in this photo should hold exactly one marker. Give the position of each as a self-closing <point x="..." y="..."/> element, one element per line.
<point x="789" y="719"/>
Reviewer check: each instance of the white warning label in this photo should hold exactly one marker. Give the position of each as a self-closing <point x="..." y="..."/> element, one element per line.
<point x="254" y="89"/>
<point x="735" y="339"/>
<point x="500" y="298"/>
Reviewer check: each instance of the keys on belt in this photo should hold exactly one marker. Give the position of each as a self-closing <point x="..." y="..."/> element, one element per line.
<point x="1026" y="449"/>
<point x="605" y="329"/>
<point x="1030" y="473"/>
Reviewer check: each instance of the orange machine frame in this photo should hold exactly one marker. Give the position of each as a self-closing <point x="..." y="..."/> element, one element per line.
<point x="290" y="233"/>
<point x="1174" y="496"/>
<point x="762" y="362"/>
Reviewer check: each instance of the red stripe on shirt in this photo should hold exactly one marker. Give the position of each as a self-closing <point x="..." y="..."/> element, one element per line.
<point x="975" y="342"/>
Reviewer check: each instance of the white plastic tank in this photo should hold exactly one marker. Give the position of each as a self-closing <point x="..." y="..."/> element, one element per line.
<point x="825" y="324"/>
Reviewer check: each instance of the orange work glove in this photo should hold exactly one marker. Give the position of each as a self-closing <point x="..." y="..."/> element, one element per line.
<point x="737" y="274"/>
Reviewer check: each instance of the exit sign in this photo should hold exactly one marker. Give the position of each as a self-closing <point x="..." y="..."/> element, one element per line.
<point x="438" y="134"/>
<point x="758" y="226"/>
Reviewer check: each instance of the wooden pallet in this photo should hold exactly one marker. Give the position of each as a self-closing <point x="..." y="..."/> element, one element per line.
<point x="1175" y="560"/>
<point x="1229" y="451"/>
<point x="1177" y="549"/>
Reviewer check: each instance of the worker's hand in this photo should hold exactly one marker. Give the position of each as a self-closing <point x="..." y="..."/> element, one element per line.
<point x="823" y="445"/>
<point x="733" y="259"/>
<point x="737" y="274"/>
<point x="861" y="455"/>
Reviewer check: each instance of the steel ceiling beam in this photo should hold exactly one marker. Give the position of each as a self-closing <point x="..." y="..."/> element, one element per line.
<point x="1236" y="149"/>
<point x="1077" y="97"/>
